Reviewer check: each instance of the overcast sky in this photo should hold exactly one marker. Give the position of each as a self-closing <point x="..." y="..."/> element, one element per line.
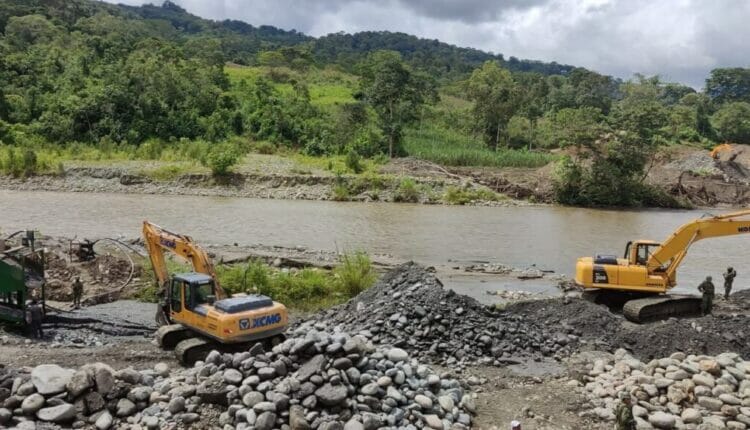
<point x="681" y="40"/>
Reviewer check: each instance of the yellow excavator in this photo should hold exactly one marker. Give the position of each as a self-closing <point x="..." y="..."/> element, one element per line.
<point x="196" y="315"/>
<point x="649" y="269"/>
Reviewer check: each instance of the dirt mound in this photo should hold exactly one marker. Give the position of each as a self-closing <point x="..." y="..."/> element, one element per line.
<point x="408" y="308"/>
<point x="103" y="277"/>
<point x="601" y="329"/>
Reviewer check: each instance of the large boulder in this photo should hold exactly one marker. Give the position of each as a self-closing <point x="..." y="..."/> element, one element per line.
<point x="50" y="379"/>
<point x="311" y="367"/>
<point x="265" y="421"/>
<point x="662" y="420"/>
<point x="79" y="383"/>
<point x="32" y="403"/>
<point x="331" y="395"/>
<point x="104" y="422"/>
<point x="57" y="414"/>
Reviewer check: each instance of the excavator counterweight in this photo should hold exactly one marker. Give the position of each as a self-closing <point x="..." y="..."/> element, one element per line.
<point x="650" y="268"/>
<point x="195" y="313"/>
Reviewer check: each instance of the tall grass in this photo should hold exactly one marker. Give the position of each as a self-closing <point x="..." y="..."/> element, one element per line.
<point x="307" y="289"/>
<point x="450" y="148"/>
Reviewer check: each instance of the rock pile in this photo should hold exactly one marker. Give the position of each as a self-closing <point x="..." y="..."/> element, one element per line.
<point x="678" y="392"/>
<point x="334" y="381"/>
<point x="408" y="308"/>
<point x="314" y="380"/>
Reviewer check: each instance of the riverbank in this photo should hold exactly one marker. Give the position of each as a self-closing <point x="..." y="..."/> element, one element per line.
<point x="275" y="177"/>
<point x="687" y="173"/>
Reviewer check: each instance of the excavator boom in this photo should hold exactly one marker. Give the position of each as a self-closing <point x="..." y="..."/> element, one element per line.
<point x="159" y="240"/>
<point x="673" y="250"/>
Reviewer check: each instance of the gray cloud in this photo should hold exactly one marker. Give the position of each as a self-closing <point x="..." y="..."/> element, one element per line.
<point x="469" y="11"/>
<point x="682" y="40"/>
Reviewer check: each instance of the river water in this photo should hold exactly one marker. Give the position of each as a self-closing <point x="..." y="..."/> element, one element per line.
<point x="550" y="237"/>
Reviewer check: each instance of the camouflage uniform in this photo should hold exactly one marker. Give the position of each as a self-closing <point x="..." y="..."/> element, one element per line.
<point x="707" y="288"/>
<point x="36" y="317"/>
<point x="728" y="280"/>
<point x="624" y="417"/>
<point x="77" y="292"/>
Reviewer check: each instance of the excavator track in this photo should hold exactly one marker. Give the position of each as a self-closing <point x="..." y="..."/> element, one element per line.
<point x="661" y="307"/>
<point x="168" y="336"/>
<point x="194" y="349"/>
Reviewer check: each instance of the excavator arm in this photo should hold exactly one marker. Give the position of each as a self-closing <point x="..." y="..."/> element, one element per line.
<point x="159" y="240"/>
<point x="673" y="250"/>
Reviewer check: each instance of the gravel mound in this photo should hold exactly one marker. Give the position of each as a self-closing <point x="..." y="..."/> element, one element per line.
<point x="314" y="380"/>
<point x="408" y="308"/>
<point x="596" y="326"/>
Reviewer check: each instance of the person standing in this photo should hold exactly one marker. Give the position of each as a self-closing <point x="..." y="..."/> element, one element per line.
<point x="729" y="276"/>
<point x="36" y="315"/>
<point x="624" y="412"/>
<point x="77" y="292"/>
<point x="707" y="288"/>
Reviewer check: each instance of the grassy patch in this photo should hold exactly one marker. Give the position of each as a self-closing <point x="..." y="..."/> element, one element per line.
<point x="407" y="191"/>
<point x="168" y="172"/>
<point x="450" y="148"/>
<point x="306" y="290"/>
<point x="354" y="274"/>
<point x="340" y="193"/>
<point x="327" y="87"/>
<point x="460" y="196"/>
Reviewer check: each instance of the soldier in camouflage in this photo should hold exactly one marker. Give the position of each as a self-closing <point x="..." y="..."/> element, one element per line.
<point x="624" y="413"/>
<point x="707" y="288"/>
<point x="729" y="276"/>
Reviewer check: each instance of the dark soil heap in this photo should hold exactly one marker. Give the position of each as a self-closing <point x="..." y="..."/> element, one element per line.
<point x="601" y="329"/>
<point x="408" y="308"/>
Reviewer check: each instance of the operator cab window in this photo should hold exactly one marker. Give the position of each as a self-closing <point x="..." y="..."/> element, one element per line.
<point x="202" y="293"/>
<point x="176" y="296"/>
<point x="642" y="256"/>
<point x="644" y="252"/>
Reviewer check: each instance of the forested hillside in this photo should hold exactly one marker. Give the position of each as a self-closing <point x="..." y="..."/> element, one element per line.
<point x="80" y="76"/>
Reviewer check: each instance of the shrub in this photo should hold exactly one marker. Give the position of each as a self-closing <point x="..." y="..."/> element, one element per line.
<point x="340" y="193"/>
<point x="355" y="273"/>
<point x="265" y="147"/>
<point x="457" y="196"/>
<point x="407" y="191"/>
<point x="221" y="159"/>
<point x="29" y="162"/>
<point x="353" y="161"/>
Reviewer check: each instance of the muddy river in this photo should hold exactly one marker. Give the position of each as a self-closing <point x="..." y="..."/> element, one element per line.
<point x="549" y="237"/>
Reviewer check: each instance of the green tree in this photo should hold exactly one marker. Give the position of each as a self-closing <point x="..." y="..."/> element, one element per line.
<point x="495" y="96"/>
<point x="729" y="85"/>
<point x="576" y="127"/>
<point x="732" y="122"/>
<point x="395" y="93"/>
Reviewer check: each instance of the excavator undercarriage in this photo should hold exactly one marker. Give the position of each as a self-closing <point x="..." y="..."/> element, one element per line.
<point x="644" y="308"/>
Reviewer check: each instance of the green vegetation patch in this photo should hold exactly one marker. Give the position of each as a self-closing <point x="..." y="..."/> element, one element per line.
<point x="305" y="290"/>
<point x="450" y="148"/>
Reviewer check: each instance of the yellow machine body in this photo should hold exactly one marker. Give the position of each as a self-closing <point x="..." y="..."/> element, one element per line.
<point x="651" y="267"/>
<point x="196" y="300"/>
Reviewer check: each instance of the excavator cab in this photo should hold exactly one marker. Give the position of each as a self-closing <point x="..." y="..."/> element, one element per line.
<point x="190" y="292"/>
<point x="638" y="252"/>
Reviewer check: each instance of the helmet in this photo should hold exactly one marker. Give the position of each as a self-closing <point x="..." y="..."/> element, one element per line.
<point x="515" y="425"/>
<point x="708" y="278"/>
<point x="729" y="269"/>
